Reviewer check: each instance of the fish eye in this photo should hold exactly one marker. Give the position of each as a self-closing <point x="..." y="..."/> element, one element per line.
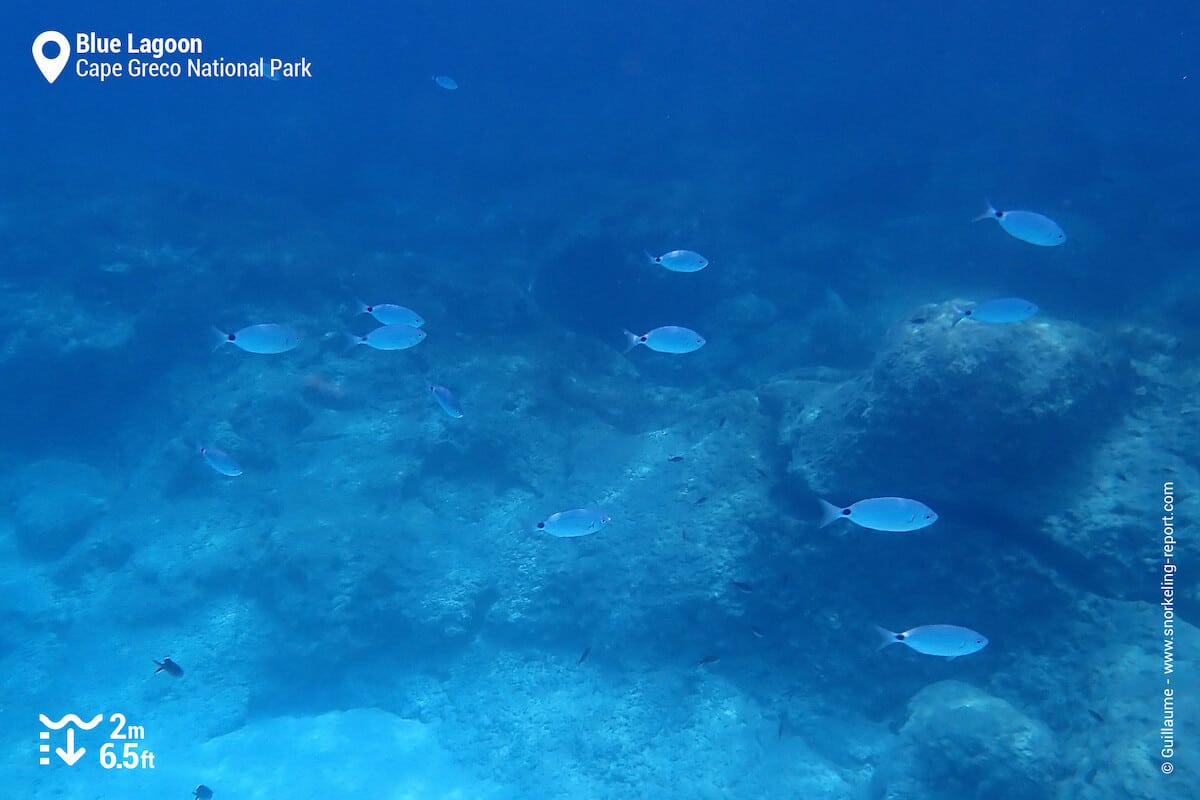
<point x="231" y="337"/>
<point x="658" y="259"/>
<point x="541" y="525"/>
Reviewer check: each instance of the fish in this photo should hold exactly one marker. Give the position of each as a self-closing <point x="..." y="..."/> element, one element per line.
<point x="667" y="339"/>
<point x="202" y="792"/>
<point x="895" y="514"/>
<point x="755" y="632"/>
<point x="949" y="641"/>
<point x="446" y="82"/>
<point x="587" y="651"/>
<point x="702" y="500"/>
<point x="266" y="339"/>
<point x="675" y="459"/>
<point x="680" y="261"/>
<point x="1095" y="715"/>
<point x="1006" y="309"/>
<point x="168" y="666"/>
<point x="392" y="314"/>
<point x="573" y="523"/>
<point x="390" y="337"/>
<point x="742" y="586"/>
<point x="220" y="461"/>
<point x="1028" y="226"/>
<point x="446" y="399"/>
<point x="709" y="659"/>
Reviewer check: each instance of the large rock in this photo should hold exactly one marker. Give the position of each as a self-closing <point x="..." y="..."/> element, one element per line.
<point x="985" y="418"/>
<point x="1116" y="497"/>
<point x="56" y="504"/>
<point x="959" y="741"/>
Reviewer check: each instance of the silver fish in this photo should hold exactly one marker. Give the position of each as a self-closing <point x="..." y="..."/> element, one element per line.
<point x="1028" y="226"/>
<point x="267" y="338"/>
<point x="948" y="641"/>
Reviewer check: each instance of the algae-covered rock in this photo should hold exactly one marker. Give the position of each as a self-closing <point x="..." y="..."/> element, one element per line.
<point x="56" y="504"/>
<point x="959" y="741"/>
<point x="986" y="416"/>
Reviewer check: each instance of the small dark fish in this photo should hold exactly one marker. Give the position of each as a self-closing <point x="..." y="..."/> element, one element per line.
<point x="721" y="424"/>
<point x="756" y="632"/>
<point x="708" y="660"/>
<point x="170" y="667"/>
<point x="918" y="320"/>
<point x="587" y="651"/>
<point x="1095" y="715"/>
<point x="782" y="723"/>
<point x="742" y="586"/>
<point x="675" y="459"/>
<point x="202" y="792"/>
<point x="762" y="473"/>
<point x="702" y="500"/>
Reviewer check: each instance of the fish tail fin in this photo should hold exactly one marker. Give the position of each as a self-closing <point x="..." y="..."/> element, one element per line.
<point x="829" y="512"/>
<point x="631" y="340"/>
<point x="650" y="258"/>
<point x="160" y="666"/>
<point x="360" y="307"/>
<point x="886" y="637"/>
<point x="990" y="213"/>
<point x="959" y="314"/>
<point x="220" y="338"/>
<point x="351" y="341"/>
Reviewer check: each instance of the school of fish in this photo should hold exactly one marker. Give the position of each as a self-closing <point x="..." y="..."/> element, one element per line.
<point x="401" y="328"/>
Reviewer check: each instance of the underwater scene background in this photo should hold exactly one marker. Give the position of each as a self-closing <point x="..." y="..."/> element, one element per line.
<point x="369" y="609"/>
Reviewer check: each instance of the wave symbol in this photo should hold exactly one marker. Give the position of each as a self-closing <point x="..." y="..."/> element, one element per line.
<point x="70" y="719"/>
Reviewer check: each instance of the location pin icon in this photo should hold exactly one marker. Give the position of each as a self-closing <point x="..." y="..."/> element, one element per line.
<point x="51" y="67"/>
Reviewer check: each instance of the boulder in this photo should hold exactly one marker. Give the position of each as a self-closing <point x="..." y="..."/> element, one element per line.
<point x="960" y="741"/>
<point x="986" y="418"/>
<point x="56" y="504"/>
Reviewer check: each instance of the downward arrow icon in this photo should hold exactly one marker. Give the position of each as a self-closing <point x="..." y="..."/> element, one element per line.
<point x="70" y="755"/>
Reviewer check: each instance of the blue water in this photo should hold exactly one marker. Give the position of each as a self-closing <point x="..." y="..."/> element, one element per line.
<point x="366" y="611"/>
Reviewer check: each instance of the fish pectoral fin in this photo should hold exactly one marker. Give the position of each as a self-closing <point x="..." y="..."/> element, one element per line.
<point x="950" y="658"/>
